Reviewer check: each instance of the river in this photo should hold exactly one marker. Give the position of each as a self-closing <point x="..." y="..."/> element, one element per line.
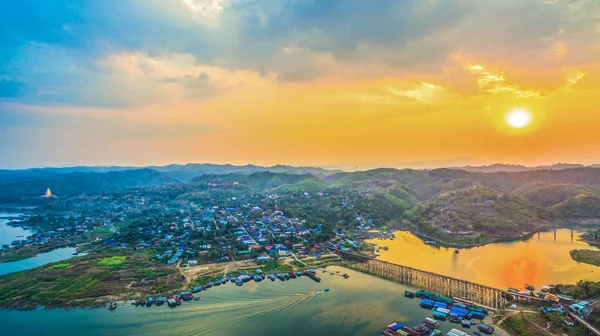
<point x="544" y="259"/>
<point x="10" y="233"/>
<point x="39" y="260"/>
<point x="361" y="305"/>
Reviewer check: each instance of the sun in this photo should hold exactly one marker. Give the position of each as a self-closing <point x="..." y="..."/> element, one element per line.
<point x="518" y="118"/>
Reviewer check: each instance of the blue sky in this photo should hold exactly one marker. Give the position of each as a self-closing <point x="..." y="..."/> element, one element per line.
<point x="101" y="82"/>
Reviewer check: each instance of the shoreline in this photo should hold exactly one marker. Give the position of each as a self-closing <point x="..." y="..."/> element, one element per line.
<point x="442" y="243"/>
<point x="585" y="256"/>
<point x="28" y="254"/>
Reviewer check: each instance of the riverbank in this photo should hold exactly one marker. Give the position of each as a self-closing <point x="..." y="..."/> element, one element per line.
<point x="30" y="251"/>
<point x="486" y="240"/>
<point x="85" y="282"/>
<point x="97" y="279"/>
<point x="527" y="320"/>
<point x="586" y="256"/>
<point x="357" y="306"/>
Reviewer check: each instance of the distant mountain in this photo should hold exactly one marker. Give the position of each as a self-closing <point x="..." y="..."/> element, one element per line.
<point x="566" y="192"/>
<point x="26" y="185"/>
<point x="499" y="167"/>
<point x="189" y="171"/>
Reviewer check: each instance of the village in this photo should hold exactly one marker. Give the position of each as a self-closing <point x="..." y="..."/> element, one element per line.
<point x="188" y="233"/>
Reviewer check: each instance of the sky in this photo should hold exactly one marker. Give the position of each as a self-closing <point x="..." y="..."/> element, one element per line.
<point x="345" y="83"/>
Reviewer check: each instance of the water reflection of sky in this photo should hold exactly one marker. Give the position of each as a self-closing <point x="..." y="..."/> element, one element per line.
<point x="9" y="233"/>
<point x="361" y="305"/>
<point x="543" y="259"/>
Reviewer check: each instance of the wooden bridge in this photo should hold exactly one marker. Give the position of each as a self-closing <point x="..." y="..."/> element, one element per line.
<point x="440" y="284"/>
<point x="461" y="290"/>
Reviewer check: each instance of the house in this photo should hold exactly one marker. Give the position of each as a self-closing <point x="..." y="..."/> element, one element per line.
<point x="262" y="259"/>
<point x="192" y="262"/>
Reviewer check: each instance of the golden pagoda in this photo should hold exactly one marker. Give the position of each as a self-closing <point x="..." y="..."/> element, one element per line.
<point x="48" y="193"/>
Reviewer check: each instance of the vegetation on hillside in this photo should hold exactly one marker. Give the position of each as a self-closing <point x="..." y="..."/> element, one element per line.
<point x="479" y="209"/>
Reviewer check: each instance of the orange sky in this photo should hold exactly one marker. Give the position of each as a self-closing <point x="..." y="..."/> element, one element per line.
<point x="361" y="110"/>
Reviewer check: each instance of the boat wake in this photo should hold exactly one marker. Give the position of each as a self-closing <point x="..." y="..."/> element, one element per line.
<point x="259" y="307"/>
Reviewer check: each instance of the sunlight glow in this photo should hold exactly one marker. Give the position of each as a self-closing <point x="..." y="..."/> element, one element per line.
<point x="518" y="118"/>
<point x="209" y="8"/>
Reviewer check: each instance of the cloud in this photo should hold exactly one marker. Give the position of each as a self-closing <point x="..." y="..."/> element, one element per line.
<point x="56" y="52"/>
<point x="196" y="86"/>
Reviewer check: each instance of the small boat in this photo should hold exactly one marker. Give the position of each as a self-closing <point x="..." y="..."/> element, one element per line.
<point x="133" y="302"/>
<point x="457" y="251"/>
<point x="75" y="253"/>
<point x="477" y="333"/>
<point x="529" y="287"/>
<point x="409" y="294"/>
<point x="346" y="276"/>
<point x="142" y="302"/>
<point x="327" y="289"/>
<point x="272" y="277"/>
<point x="113" y="306"/>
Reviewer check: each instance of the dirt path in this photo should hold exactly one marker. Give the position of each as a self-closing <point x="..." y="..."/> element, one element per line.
<point x="512" y="313"/>
<point x="537" y="326"/>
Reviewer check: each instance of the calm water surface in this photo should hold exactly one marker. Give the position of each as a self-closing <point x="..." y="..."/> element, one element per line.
<point x="38" y="260"/>
<point x="361" y="305"/>
<point x="8" y="234"/>
<point x="541" y="260"/>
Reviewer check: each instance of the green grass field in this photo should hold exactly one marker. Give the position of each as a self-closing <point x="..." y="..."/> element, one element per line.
<point x="112" y="261"/>
<point x="59" y="266"/>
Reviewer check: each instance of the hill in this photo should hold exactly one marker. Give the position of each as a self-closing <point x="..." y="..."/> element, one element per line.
<point x="27" y="185"/>
<point x="188" y="171"/>
<point x="561" y="193"/>
<point x="264" y="181"/>
<point x="478" y="213"/>
<point x="552" y="194"/>
<point x="499" y="167"/>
